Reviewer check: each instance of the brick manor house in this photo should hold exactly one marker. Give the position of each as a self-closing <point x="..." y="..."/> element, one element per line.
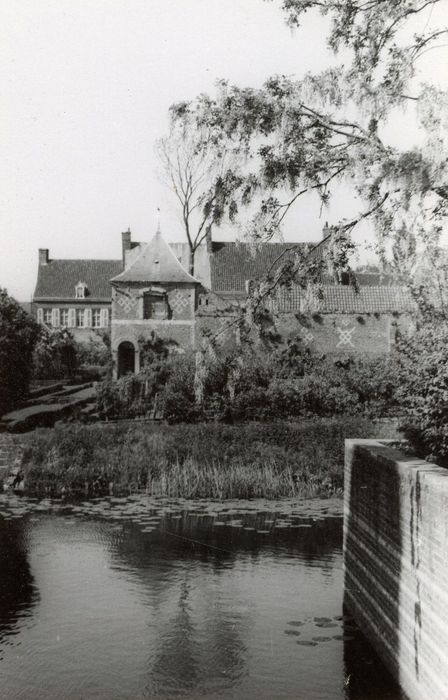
<point x="150" y="291"/>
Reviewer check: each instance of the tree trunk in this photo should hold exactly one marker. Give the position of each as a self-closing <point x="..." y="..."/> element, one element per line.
<point x="191" y="262"/>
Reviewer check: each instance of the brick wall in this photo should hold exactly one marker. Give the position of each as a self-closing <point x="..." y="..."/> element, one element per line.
<point x="127" y="301"/>
<point x="344" y="333"/>
<point x="366" y="334"/>
<point x="396" y="564"/>
<point x="181" y="333"/>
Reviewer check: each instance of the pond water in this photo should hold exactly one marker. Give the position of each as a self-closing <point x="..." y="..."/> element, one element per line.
<point x="152" y="598"/>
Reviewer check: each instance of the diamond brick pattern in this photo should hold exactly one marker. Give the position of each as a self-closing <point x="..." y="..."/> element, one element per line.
<point x="127" y="303"/>
<point x="179" y="301"/>
<point x="307" y="336"/>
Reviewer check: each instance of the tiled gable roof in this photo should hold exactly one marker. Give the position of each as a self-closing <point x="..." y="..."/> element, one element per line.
<point x="156" y="262"/>
<point x="345" y="299"/>
<point x="58" y="278"/>
<point x="232" y="264"/>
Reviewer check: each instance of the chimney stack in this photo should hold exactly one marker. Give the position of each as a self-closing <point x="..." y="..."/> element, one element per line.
<point x="125" y="244"/>
<point x="326" y="230"/>
<point x="208" y="239"/>
<point x="43" y="256"/>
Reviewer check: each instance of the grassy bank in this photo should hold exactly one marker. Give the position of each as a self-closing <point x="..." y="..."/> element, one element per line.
<point x="252" y="460"/>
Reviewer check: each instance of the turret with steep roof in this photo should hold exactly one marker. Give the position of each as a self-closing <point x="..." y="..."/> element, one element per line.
<point x="156" y="262"/>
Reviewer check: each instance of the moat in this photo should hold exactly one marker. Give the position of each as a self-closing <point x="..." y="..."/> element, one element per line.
<point x="127" y="598"/>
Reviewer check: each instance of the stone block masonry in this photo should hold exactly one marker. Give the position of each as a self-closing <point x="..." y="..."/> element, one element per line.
<point x="396" y="562"/>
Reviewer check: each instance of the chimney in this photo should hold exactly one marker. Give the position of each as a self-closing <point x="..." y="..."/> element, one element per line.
<point x="208" y="239"/>
<point x="125" y="244"/>
<point x="326" y="230"/>
<point x="43" y="256"/>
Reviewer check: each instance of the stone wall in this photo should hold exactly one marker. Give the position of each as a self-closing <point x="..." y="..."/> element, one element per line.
<point x="396" y="563"/>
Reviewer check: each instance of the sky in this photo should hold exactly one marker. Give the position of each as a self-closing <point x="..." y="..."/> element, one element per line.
<point x="85" y="90"/>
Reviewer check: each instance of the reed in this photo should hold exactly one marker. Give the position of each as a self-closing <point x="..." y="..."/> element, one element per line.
<point x="251" y="460"/>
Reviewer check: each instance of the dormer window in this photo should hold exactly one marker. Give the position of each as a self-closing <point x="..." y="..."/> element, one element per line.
<point x="81" y="290"/>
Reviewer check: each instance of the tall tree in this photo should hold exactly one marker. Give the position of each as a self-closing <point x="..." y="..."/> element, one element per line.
<point x="190" y="169"/>
<point x="307" y="134"/>
<point x="18" y="335"/>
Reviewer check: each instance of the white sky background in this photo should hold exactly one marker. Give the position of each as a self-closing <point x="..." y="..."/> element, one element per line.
<point x="85" y="91"/>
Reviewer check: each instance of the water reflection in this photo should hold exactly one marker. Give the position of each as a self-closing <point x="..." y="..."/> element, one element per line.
<point x="17" y="592"/>
<point x="142" y="598"/>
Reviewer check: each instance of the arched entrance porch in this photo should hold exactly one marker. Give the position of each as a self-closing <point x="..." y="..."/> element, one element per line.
<point x="126" y="358"/>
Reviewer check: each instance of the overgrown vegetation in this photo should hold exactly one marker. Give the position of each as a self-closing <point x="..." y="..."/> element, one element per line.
<point x="252" y="384"/>
<point x="18" y="335"/>
<point x="268" y="460"/>
<point x="58" y="355"/>
<point x="423" y="390"/>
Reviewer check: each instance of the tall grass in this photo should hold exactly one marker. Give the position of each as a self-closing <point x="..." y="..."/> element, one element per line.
<point x="196" y="461"/>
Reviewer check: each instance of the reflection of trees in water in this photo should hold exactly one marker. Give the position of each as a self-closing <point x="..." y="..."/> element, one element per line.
<point x="198" y="648"/>
<point x="175" y="664"/>
<point x="17" y="591"/>
<point x="194" y="642"/>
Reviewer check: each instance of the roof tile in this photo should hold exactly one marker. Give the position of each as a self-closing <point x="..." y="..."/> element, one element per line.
<point x="345" y="299"/>
<point x="58" y="279"/>
<point x="156" y="262"/>
<point x="232" y="264"/>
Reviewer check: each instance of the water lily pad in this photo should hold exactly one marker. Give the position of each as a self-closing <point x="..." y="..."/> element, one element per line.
<point x="321" y="638"/>
<point x="306" y="643"/>
<point x="296" y="623"/>
<point x="294" y="633"/>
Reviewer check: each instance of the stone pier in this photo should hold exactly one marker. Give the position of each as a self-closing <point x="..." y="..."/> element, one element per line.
<point x="396" y="562"/>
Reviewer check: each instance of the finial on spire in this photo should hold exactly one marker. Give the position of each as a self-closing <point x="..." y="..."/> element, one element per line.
<point x="158" y="221"/>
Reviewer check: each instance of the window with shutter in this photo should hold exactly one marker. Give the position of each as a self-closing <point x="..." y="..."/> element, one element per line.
<point x="40" y="315"/>
<point x="55" y="319"/>
<point x="96" y="318"/>
<point x="104" y="318"/>
<point x="80" y="318"/>
<point x="88" y="318"/>
<point x="154" y="306"/>
<point x="48" y="317"/>
<point x="71" y="318"/>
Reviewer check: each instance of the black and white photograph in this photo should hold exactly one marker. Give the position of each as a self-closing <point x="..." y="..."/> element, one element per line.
<point x="224" y="350"/>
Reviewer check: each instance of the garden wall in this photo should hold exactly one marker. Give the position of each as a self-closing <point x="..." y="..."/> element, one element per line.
<point x="364" y="334"/>
<point x="396" y="563"/>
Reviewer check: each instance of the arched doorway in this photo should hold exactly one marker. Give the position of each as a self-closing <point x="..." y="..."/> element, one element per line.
<point x="126" y="358"/>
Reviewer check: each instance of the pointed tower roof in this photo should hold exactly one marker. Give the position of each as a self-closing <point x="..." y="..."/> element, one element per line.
<point x="155" y="263"/>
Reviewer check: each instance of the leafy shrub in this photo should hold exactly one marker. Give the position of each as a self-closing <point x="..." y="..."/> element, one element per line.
<point x="177" y="399"/>
<point x="96" y="351"/>
<point x="126" y="397"/>
<point x="423" y="390"/>
<point x="55" y="354"/>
